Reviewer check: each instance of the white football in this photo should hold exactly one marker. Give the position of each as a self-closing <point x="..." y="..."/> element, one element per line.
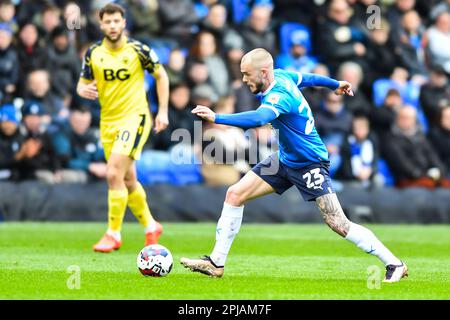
<point x="155" y="261"/>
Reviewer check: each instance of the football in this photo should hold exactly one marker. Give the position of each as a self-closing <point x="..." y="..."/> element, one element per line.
<point x="155" y="261"/>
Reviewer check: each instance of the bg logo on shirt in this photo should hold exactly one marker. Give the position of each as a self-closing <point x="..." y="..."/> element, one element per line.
<point x="111" y="75"/>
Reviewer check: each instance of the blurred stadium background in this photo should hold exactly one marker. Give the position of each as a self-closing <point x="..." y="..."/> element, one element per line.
<point x="389" y="144"/>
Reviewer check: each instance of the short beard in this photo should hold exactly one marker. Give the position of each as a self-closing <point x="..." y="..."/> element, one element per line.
<point x="258" y="87"/>
<point x="114" y="40"/>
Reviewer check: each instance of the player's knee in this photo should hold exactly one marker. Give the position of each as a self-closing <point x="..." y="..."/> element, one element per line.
<point x="235" y="196"/>
<point x="113" y="175"/>
<point x="130" y="182"/>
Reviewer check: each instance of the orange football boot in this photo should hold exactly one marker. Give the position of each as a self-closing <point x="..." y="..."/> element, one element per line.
<point x="152" y="237"/>
<point x="107" y="244"/>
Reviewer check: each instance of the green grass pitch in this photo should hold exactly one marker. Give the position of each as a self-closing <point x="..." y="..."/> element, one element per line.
<point x="278" y="261"/>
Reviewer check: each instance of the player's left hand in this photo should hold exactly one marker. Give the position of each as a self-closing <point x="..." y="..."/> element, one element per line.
<point x="205" y="113"/>
<point x="161" y="122"/>
<point x="345" y="88"/>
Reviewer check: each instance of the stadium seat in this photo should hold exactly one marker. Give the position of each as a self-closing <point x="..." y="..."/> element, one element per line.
<point x="240" y="10"/>
<point x="163" y="53"/>
<point x="150" y="88"/>
<point x="201" y="10"/>
<point x="409" y="93"/>
<point x="384" y="170"/>
<point x="185" y="168"/>
<point x="154" y="167"/>
<point x="292" y="29"/>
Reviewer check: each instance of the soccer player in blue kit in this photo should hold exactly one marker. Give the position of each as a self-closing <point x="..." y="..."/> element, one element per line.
<point x="302" y="160"/>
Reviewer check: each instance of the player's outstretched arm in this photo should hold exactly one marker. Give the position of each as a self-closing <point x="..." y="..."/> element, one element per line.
<point x="317" y="80"/>
<point x="162" y="90"/>
<point x="248" y="119"/>
<point x="87" y="90"/>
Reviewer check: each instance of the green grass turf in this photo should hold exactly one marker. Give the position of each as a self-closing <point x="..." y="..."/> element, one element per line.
<point x="279" y="261"/>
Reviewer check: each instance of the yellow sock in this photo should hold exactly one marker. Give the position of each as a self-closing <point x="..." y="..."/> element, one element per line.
<point x="117" y="204"/>
<point x="137" y="201"/>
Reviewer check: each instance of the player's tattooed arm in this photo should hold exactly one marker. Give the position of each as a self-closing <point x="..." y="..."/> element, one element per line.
<point x="332" y="213"/>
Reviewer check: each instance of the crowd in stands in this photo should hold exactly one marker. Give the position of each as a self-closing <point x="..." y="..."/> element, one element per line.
<point x="395" y="53"/>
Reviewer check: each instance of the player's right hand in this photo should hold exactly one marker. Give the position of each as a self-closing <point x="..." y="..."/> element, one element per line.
<point x="88" y="91"/>
<point x="205" y="113"/>
<point x="345" y="88"/>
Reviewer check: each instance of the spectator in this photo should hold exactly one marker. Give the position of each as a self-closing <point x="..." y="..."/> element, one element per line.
<point x="179" y="20"/>
<point x="359" y="153"/>
<point x="224" y="150"/>
<point x="32" y="55"/>
<point x="7" y="14"/>
<point x="412" y="159"/>
<point x="9" y="64"/>
<point x="49" y="19"/>
<point x="204" y="49"/>
<point x="234" y="53"/>
<point x="197" y="73"/>
<point x="10" y="142"/>
<point x="75" y="22"/>
<point x="381" y="55"/>
<point x="36" y="157"/>
<point x="39" y="90"/>
<point x="383" y="118"/>
<point x="262" y="143"/>
<point x="315" y="95"/>
<point x="440" y="137"/>
<point x="438" y="8"/>
<point x="408" y="89"/>
<point x="409" y="47"/>
<point x="300" y="11"/>
<point x="245" y="100"/>
<point x="333" y="123"/>
<point x="341" y="37"/>
<point x="27" y="10"/>
<point x="145" y="24"/>
<point x="204" y="95"/>
<point x="360" y="9"/>
<point x="395" y="14"/>
<point x="297" y="59"/>
<point x="92" y="28"/>
<point x="435" y="94"/>
<point x="353" y="73"/>
<point x="65" y="66"/>
<point x="92" y="105"/>
<point x="176" y="67"/>
<point x="216" y="23"/>
<point x="333" y="118"/>
<point x="438" y="41"/>
<point x="180" y="117"/>
<point x="78" y="148"/>
<point x="257" y="31"/>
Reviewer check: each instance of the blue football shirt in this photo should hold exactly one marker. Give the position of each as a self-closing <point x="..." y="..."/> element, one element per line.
<point x="299" y="143"/>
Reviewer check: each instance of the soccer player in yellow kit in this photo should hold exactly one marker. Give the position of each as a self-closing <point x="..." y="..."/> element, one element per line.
<point x="113" y="72"/>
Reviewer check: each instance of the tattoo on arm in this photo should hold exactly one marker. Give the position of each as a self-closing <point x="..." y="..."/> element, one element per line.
<point x="333" y="214"/>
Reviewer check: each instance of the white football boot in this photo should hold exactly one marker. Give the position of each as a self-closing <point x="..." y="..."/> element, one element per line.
<point x="395" y="272"/>
<point x="204" y="265"/>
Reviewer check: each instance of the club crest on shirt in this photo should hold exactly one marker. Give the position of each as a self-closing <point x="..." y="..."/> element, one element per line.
<point x="273" y="98"/>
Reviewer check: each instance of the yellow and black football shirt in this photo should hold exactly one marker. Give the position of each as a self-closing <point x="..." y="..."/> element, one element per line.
<point x="120" y="78"/>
